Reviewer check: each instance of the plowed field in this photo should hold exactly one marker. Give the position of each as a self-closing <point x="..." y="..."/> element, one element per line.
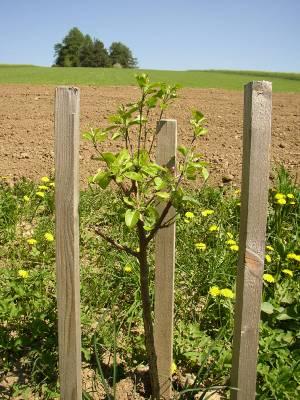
<point x="26" y="128"/>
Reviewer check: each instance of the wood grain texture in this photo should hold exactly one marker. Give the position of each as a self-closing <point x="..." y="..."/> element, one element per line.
<point x="67" y="240"/>
<point x="165" y="267"/>
<point x="255" y="178"/>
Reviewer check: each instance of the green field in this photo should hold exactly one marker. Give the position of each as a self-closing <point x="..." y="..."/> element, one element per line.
<point x="111" y="299"/>
<point x="232" y="80"/>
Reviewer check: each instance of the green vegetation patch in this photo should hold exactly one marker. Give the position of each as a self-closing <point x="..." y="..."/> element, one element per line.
<point x="207" y="251"/>
<point x="232" y="80"/>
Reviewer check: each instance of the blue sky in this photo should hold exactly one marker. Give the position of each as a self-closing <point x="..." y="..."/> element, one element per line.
<point x="170" y="34"/>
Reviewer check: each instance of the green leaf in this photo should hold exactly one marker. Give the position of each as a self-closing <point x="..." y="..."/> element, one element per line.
<point x="280" y="248"/>
<point x="159" y="183"/>
<point x="200" y="131"/>
<point x="99" y="135"/>
<point x="128" y="201"/>
<point x="197" y="116"/>
<point x="151" y="216"/>
<point x="287" y="298"/>
<point x="95" y="135"/>
<point x="131" y="218"/>
<point x="87" y="135"/>
<point x="148" y="227"/>
<point x="137" y="121"/>
<point x="142" y="80"/>
<point x="135" y="176"/>
<point x="115" y="119"/>
<point x="149" y="170"/>
<point x="205" y="173"/>
<point x="109" y="158"/>
<point x="267" y="308"/>
<point x="183" y="150"/>
<point x="143" y="158"/>
<point x="153" y="169"/>
<point x="116" y="135"/>
<point x="163" y="106"/>
<point x="133" y="108"/>
<point x="191" y="172"/>
<point x="127" y="166"/>
<point x="123" y="156"/>
<point x="102" y="179"/>
<point x="191" y="199"/>
<point x="119" y="178"/>
<point x="163" y="195"/>
<point x="152" y="88"/>
<point x="197" y="164"/>
<point x="152" y="101"/>
<point x="283" y="317"/>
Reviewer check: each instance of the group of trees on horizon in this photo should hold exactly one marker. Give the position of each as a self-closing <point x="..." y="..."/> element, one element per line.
<point x="79" y="50"/>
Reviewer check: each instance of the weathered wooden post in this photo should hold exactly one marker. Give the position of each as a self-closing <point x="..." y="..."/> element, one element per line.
<point x="165" y="267"/>
<point x="67" y="240"/>
<point x="255" y="176"/>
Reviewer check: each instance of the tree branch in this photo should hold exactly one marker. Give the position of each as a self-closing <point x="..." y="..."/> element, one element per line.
<point x="169" y="222"/>
<point x="160" y="220"/>
<point x="115" y="244"/>
<point x="145" y="128"/>
<point x="155" y="133"/>
<point x="121" y="186"/>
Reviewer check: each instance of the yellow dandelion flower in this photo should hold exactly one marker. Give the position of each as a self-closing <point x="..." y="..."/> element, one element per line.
<point x="293" y="256"/>
<point x="43" y="187"/>
<point x="268" y="278"/>
<point x="279" y="196"/>
<point x="290" y="256"/>
<point x="230" y="235"/>
<point x="23" y="274"/>
<point x="200" y="246"/>
<point x="238" y="204"/>
<point x="127" y="268"/>
<point x="234" y="247"/>
<point x="237" y="191"/>
<point x="290" y="196"/>
<point x="189" y="215"/>
<point x="288" y="272"/>
<point x="52" y="184"/>
<point x="205" y="213"/>
<point x="227" y="293"/>
<point x="230" y="241"/>
<point x="292" y="202"/>
<point x="268" y="258"/>
<point x="282" y="202"/>
<point x="31" y="241"/>
<point x="214" y="228"/>
<point x="214" y="291"/>
<point x="26" y="198"/>
<point x="270" y="248"/>
<point x="45" y="179"/>
<point x="49" y="237"/>
<point x="40" y="194"/>
<point x="173" y="368"/>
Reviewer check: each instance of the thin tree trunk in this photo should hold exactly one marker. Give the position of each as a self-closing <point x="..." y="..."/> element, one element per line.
<point x="147" y="315"/>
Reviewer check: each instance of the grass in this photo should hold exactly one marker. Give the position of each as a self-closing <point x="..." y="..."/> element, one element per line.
<point x="232" y="80"/>
<point x="110" y="298"/>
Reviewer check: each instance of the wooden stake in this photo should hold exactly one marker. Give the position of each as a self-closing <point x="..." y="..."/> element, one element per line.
<point x="67" y="240"/>
<point x="164" y="268"/>
<point x="255" y="177"/>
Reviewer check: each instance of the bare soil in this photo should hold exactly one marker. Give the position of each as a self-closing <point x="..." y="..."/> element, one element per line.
<point x="26" y="128"/>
